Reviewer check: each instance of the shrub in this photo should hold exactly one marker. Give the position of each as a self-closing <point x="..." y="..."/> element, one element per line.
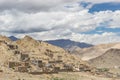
<point x="103" y="69"/>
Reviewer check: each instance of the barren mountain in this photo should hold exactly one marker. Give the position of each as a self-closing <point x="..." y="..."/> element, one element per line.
<point x="110" y="59"/>
<point x="69" y="44"/>
<point x="13" y="38"/>
<point x="95" y="51"/>
<point x="32" y="56"/>
<point x="29" y="59"/>
<point x="25" y="50"/>
<point x="43" y="50"/>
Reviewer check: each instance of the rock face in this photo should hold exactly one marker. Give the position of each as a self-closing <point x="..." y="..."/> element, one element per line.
<point x="110" y="59"/>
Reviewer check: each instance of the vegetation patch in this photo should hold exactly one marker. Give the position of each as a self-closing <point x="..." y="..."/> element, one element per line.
<point x="103" y="69"/>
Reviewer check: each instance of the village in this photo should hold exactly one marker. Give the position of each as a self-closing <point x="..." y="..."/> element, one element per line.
<point x="38" y="66"/>
<point x="32" y="65"/>
<point x="35" y="64"/>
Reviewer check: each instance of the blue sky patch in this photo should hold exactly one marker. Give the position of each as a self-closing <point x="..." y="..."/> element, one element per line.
<point x="100" y="30"/>
<point x="105" y="6"/>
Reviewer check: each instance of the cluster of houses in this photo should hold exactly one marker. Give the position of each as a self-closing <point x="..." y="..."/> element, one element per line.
<point x="38" y="66"/>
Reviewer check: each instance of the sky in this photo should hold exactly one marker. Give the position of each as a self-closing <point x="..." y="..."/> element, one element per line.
<point x="90" y="21"/>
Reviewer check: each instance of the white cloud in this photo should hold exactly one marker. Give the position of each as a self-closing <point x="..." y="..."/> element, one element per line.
<point x="108" y="18"/>
<point x="55" y="25"/>
<point x="107" y="37"/>
<point x="43" y="21"/>
<point x="34" y="5"/>
<point x="46" y="5"/>
<point x="53" y="20"/>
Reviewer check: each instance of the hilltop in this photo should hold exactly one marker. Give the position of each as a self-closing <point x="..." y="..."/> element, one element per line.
<point x="4" y="38"/>
<point x="28" y="55"/>
<point x="43" y="50"/>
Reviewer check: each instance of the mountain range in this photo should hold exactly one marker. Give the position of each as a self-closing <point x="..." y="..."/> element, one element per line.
<point x="92" y="60"/>
<point x="63" y="43"/>
<point x="101" y="55"/>
<point x="13" y="38"/>
<point x="69" y="44"/>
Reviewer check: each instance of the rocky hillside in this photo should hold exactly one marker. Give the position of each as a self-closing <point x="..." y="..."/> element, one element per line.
<point x="43" y="50"/>
<point x="30" y="51"/>
<point x="27" y="57"/>
<point x="4" y="38"/>
<point x="95" y="51"/>
<point x="110" y="59"/>
<point x="4" y="49"/>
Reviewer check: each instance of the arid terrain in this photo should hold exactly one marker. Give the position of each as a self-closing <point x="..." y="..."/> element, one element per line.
<point x="29" y="59"/>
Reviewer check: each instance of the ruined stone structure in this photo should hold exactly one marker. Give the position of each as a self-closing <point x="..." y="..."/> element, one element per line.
<point x="16" y="52"/>
<point x="12" y="46"/>
<point x="22" y="69"/>
<point x="38" y="66"/>
<point x="13" y="64"/>
<point x="24" y="57"/>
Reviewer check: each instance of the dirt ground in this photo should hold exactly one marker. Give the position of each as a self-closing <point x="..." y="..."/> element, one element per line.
<point x="60" y="76"/>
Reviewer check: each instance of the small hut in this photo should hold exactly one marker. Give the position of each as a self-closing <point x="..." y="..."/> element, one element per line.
<point x="12" y="46"/>
<point x="37" y="62"/>
<point x="13" y="64"/>
<point x="68" y="67"/>
<point x="16" y="52"/>
<point x="22" y="69"/>
<point x="25" y="64"/>
<point x="24" y="57"/>
<point x="59" y="57"/>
